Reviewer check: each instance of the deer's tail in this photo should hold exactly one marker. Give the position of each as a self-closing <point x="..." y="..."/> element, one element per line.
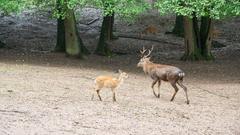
<point x="181" y="76"/>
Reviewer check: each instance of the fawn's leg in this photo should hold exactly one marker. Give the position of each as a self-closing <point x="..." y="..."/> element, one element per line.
<point x="159" y="84"/>
<point x="114" y="98"/>
<point x="185" y="90"/>
<point x="153" y="83"/>
<point x="98" y="90"/>
<point x="176" y="90"/>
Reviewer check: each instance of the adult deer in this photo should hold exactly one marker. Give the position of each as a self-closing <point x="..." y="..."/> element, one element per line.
<point x="160" y="72"/>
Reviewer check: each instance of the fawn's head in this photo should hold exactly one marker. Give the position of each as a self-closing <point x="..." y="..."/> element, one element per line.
<point x="144" y="58"/>
<point x="123" y="74"/>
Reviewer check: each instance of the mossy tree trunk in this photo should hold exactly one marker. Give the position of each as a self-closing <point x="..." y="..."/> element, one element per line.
<point x="60" y="45"/>
<point x="178" y="27"/>
<point x="197" y="40"/>
<point x="106" y="34"/>
<point x="74" y="45"/>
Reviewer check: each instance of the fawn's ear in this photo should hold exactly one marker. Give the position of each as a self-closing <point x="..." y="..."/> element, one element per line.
<point x="120" y="71"/>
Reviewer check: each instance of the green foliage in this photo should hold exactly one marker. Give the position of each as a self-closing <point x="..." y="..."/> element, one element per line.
<point x="59" y="7"/>
<point x="215" y="9"/>
<point x="132" y="8"/>
<point x="127" y="9"/>
<point x="8" y="6"/>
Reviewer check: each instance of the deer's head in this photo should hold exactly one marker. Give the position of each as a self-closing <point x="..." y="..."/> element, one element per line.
<point x="123" y="74"/>
<point x="144" y="58"/>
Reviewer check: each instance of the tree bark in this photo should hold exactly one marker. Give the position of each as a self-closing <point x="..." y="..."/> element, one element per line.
<point x="198" y="41"/>
<point x="111" y="27"/>
<point x="105" y="35"/>
<point x="60" y="45"/>
<point x="178" y="27"/>
<point x="2" y="44"/>
<point x="196" y="31"/>
<point x="206" y="30"/>
<point x="74" y="44"/>
<point x="192" y="52"/>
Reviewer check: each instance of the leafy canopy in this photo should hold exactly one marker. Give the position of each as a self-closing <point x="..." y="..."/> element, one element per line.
<point x="127" y="9"/>
<point x="8" y="6"/>
<point x="215" y="9"/>
<point x="59" y="7"/>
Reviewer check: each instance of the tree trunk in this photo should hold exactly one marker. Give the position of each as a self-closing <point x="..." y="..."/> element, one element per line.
<point x="111" y="27"/>
<point x="105" y="35"/>
<point x="74" y="45"/>
<point x="178" y="28"/>
<point x="2" y="44"/>
<point x="206" y="37"/>
<point x="192" y="52"/>
<point x="198" y="41"/>
<point x="60" y="45"/>
<point x="196" y="31"/>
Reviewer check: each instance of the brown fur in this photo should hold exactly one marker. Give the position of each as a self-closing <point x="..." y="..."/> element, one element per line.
<point x="150" y="30"/>
<point x="159" y="72"/>
<point x="109" y="82"/>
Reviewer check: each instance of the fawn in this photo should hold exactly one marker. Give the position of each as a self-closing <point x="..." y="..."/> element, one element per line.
<point x="109" y="82"/>
<point x="159" y="72"/>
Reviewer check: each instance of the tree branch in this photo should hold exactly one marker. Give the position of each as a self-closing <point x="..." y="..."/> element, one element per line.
<point x="12" y="111"/>
<point x="144" y="37"/>
<point x="212" y="93"/>
<point x="92" y="21"/>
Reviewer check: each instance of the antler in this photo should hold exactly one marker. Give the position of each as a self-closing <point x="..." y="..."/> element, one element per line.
<point x="143" y="50"/>
<point x="149" y="52"/>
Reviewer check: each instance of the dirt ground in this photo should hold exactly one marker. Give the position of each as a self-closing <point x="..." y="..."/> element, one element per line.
<point x="46" y="93"/>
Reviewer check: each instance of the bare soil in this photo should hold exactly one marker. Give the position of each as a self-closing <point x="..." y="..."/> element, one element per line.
<point x="47" y="93"/>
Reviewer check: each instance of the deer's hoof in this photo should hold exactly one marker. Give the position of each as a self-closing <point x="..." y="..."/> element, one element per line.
<point x="158" y="96"/>
<point x="188" y="102"/>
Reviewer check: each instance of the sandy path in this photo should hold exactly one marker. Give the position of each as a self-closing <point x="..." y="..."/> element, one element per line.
<point x="56" y="100"/>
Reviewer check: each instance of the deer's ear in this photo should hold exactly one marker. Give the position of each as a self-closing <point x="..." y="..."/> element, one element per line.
<point x="120" y="71"/>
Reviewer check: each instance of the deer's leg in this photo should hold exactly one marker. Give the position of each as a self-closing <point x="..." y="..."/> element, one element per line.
<point x="114" y="95"/>
<point x="176" y="90"/>
<point x="98" y="90"/>
<point x="159" y="84"/>
<point x="154" y="82"/>
<point x="185" y="90"/>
